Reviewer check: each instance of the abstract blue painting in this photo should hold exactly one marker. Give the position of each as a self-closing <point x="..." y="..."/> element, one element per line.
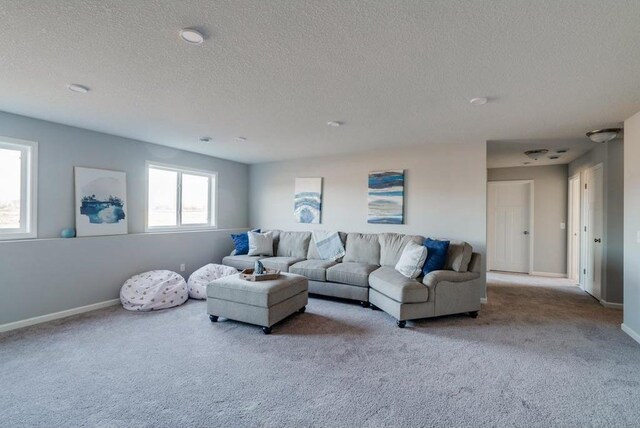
<point x="386" y="197"/>
<point x="100" y="202"/>
<point x="308" y="200"/>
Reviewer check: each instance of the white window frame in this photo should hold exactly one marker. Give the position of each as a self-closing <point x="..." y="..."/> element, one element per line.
<point x="28" y="189"/>
<point x="212" y="222"/>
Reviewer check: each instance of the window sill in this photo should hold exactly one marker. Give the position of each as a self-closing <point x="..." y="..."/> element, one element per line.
<point x="17" y="236"/>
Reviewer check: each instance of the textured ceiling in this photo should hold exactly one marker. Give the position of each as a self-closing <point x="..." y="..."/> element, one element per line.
<point x="398" y="73"/>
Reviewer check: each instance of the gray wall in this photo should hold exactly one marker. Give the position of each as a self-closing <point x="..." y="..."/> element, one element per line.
<point x="611" y="155"/>
<point x="632" y="224"/>
<point x="550" y="209"/>
<point x="445" y="191"/>
<point x="42" y="276"/>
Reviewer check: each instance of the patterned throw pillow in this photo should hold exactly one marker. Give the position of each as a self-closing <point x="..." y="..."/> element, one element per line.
<point x="241" y="242"/>
<point x="436" y="255"/>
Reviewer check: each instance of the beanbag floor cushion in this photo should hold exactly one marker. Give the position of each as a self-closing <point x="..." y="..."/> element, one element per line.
<point x="150" y="291"/>
<point x="198" y="280"/>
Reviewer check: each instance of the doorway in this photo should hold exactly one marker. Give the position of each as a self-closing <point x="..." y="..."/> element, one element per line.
<point x="593" y="230"/>
<point x="510" y="226"/>
<point x="573" y="230"/>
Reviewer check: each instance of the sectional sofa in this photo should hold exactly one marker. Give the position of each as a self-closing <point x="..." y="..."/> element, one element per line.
<point x="367" y="274"/>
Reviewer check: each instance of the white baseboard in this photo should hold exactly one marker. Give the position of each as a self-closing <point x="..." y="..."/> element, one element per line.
<point x="550" y="274"/>
<point x="611" y="305"/>
<point x="483" y="300"/>
<point x="635" y="336"/>
<point x="57" y="315"/>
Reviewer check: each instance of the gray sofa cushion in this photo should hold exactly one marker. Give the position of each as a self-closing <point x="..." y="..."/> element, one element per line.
<point x="363" y="248"/>
<point x="280" y="263"/>
<point x="241" y="262"/>
<point x="392" y="245"/>
<point x="351" y="273"/>
<point x="312" y="254"/>
<point x="458" y="256"/>
<point x="398" y="287"/>
<point x="315" y="270"/>
<point x="293" y="244"/>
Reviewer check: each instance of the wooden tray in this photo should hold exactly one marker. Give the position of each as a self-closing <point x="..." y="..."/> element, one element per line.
<point x="248" y="275"/>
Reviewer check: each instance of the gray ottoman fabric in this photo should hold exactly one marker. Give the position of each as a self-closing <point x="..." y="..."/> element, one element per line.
<point x="262" y="302"/>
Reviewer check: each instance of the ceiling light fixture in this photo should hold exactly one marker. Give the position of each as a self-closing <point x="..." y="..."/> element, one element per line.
<point x="205" y="139"/>
<point x="603" y="135"/>
<point x="536" y="154"/>
<point x="81" y="89"/>
<point x="562" y="150"/>
<point x="478" y="101"/>
<point x="335" y="123"/>
<point x="240" y="139"/>
<point x="554" y="157"/>
<point x="191" y="36"/>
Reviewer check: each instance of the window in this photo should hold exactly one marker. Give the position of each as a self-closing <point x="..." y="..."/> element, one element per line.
<point x="18" y="166"/>
<point x="180" y="198"/>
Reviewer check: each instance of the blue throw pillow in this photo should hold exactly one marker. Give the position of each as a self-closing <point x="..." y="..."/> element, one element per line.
<point x="436" y="255"/>
<point x="241" y="242"/>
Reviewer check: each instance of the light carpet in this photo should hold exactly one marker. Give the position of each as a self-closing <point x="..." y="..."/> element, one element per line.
<point x="538" y="355"/>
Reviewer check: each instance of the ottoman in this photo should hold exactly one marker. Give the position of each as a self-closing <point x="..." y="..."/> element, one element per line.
<point x="262" y="303"/>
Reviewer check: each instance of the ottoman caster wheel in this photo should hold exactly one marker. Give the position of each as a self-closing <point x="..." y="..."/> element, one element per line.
<point x="213" y="318"/>
<point x="364" y="304"/>
<point x="473" y="314"/>
<point x="302" y="309"/>
<point x="374" y="307"/>
<point x="266" y="330"/>
<point x="402" y="324"/>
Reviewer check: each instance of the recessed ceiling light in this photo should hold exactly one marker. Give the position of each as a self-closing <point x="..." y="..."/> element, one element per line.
<point x="240" y="139"/>
<point x="191" y="36"/>
<point x="81" y="89"/>
<point x="335" y="123"/>
<point x="478" y="101"/>
<point x="205" y="139"/>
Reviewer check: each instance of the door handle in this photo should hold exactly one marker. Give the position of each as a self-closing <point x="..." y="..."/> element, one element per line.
<point x="526" y="232"/>
<point x="597" y="240"/>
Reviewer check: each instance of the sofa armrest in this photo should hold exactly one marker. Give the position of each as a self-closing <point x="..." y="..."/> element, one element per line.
<point x="433" y="278"/>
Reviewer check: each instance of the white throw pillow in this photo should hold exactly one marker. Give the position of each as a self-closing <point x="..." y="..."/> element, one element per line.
<point x="260" y="244"/>
<point x="412" y="259"/>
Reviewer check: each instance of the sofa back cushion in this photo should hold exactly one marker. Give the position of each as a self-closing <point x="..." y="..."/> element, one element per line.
<point x="392" y="245"/>
<point x="312" y="254"/>
<point x="293" y="244"/>
<point x="363" y="248"/>
<point x="458" y="256"/>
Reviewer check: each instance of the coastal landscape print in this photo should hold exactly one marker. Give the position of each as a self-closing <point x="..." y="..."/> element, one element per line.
<point x="386" y="197"/>
<point x="100" y="202"/>
<point x="308" y="200"/>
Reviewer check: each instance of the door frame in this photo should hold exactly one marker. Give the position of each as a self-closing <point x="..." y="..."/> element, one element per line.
<point x="570" y="225"/>
<point x="531" y="214"/>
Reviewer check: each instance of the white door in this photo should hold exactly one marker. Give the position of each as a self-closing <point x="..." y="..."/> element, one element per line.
<point x="573" y="230"/>
<point x="594" y="226"/>
<point x="509" y="232"/>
